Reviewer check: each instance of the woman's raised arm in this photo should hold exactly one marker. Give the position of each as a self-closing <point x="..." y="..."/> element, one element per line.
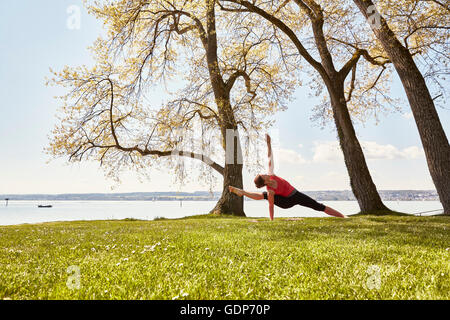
<point x="269" y="154"/>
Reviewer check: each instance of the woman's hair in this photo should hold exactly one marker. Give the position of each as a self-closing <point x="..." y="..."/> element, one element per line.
<point x="259" y="181"/>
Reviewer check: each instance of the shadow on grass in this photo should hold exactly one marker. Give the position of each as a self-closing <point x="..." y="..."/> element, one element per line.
<point x="381" y="213"/>
<point x="396" y="229"/>
<point x="211" y="216"/>
<point x="426" y="232"/>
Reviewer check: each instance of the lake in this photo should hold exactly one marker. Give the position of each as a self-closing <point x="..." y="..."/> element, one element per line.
<point x="19" y="212"/>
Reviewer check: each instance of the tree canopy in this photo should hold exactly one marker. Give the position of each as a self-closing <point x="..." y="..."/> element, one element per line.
<point x="108" y="114"/>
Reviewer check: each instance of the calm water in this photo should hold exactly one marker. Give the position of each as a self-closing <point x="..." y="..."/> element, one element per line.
<point x="19" y="212"/>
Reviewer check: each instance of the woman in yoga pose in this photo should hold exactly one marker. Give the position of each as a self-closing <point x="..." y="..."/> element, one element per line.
<point x="280" y="192"/>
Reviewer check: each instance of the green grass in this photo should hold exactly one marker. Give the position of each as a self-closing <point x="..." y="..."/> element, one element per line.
<point x="388" y="257"/>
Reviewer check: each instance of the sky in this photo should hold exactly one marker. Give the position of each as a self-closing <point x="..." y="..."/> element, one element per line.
<point x="37" y="35"/>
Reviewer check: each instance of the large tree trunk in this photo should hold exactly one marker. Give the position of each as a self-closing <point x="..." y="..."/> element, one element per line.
<point x="232" y="176"/>
<point x="229" y="203"/>
<point x="361" y="181"/>
<point x="432" y="134"/>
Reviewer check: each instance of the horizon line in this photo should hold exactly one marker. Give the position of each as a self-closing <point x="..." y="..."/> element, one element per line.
<point x="192" y="192"/>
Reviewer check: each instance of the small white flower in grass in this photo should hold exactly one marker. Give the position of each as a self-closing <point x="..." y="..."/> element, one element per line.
<point x="106" y="291"/>
<point x="125" y="259"/>
<point x="206" y="249"/>
<point x="175" y="298"/>
<point x="93" y="249"/>
<point x="447" y="249"/>
<point x="118" y="264"/>
<point x="180" y="265"/>
<point x="133" y="251"/>
<point x="183" y="294"/>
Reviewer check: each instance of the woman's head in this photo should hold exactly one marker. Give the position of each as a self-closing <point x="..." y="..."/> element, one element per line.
<point x="259" y="181"/>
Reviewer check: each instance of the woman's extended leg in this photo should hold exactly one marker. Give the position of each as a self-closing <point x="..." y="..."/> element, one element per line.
<point x="306" y="201"/>
<point x="251" y="195"/>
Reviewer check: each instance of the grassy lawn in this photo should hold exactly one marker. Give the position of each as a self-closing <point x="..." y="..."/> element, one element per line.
<point x="229" y="258"/>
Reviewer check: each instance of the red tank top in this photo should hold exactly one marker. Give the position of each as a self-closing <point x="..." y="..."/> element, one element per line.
<point x="283" y="187"/>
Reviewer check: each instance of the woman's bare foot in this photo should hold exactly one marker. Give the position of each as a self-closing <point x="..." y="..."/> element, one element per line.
<point x="334" y="213"/>
<point x="236" y="191"/>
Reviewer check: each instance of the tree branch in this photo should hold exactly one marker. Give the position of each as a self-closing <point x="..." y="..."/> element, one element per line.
<point x="240" y="73"/>
<point x="146" y="151"/>
<point x="288" y="31"/>
<point x="352" y="83"/>
<point x="350" y="64"/>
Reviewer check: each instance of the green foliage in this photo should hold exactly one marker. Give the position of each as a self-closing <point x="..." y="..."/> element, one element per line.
<point x="229" y="258"/>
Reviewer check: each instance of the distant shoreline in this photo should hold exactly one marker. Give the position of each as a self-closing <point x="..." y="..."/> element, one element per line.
<point x="328" y="195"/>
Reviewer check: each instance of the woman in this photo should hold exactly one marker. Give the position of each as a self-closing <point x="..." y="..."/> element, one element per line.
<point x="280" y="192"/>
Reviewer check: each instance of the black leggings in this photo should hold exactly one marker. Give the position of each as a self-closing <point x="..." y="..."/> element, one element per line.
<point x="296" y="198"/>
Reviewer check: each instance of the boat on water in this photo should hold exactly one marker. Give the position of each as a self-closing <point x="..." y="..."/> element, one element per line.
<point x="45" y="206"/>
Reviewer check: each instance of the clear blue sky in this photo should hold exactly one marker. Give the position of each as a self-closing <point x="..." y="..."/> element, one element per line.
<point x="34" y="36"/>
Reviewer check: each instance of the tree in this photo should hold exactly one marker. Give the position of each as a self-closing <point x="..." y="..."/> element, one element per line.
<point x="232" y="82"/>
<point x="297" y="19"/>
<point x="431" y="25"/>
